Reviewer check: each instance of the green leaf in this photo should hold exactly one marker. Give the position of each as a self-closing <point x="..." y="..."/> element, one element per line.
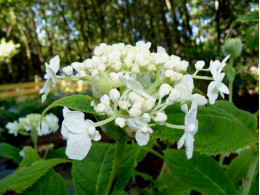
<point x="127" y="167"/>
<point x="254" y="188"/>
<point x="91" y="175"/>
<point x="230" y="72"/>
<point x="145" y="176"/>
<point x="30" y="156"/>
<point x="24" y="178"/>
<point x="50" y="183"/>
<point x="75" y="102"/>
<point x="172" y="186"/>
<point x="239" y="68"/>
<point x="222" y="128"/>
<point x="238" y="167"/>
<point x="59" y="153"/>
<point x="9" y="151"/>
<point x="201" y="173"/>
<point x="254" y="17"/>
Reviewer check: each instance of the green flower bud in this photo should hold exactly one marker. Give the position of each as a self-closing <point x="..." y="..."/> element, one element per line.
<point x="232" y="47"/>
<point x="102" y="84"/>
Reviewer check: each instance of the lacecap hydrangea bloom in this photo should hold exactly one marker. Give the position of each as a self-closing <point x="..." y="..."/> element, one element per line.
<point x="31" y="122"/>
<point x="133" y="86"/>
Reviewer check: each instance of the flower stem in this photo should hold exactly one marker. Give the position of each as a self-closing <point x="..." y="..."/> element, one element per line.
<point x="174" y="126"/>
<point x="202" y="77"/>
<point x="230" y="82"/>
<point x="100" y="123"/>
<point x="251" y="171"/>
<point x="119" y="152"/>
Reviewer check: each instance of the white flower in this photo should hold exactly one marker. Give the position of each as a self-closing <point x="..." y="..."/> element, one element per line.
<point x="191" y="127"/>
<point x="79" y="133"/>
<point x="52" y="121"/>
<point x="185" y="86"/>
<point x="114" y="95"/>
<point x="146" y="117"/>
<point x="51" y="70"/>
<point x="120" y="122"/>
<point x="12" y="127"/>
<point x="68" y="70"/>
<point x="160" y="118"/>
<point x="199" y="65"/>
<point x="139" y="125"/>
<point x="217" y="86"/>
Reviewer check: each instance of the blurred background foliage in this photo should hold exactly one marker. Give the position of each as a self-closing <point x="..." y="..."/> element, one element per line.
<point x="195" y="29"/>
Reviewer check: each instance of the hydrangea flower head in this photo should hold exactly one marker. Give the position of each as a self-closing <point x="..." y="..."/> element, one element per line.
<point x="133" y="86"/>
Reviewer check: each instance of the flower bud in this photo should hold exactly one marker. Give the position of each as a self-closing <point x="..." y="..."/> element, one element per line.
<point x="133" y="112"/>
<point x="114" y="95"/>
<point x="149" y="104"/>
<point x="100" y="108"/>
<point x="120" y="122"/>
<point x="164" y="90"/>
<point x="199" y="65"/>
<point x="232" y="47"/>
<point x="123" y="105"/>
<point x="184" y="108"/>
<point x="160" y="117"/>
<point x="146" y="117"/>
<point x="173" y="97"/>
<point x="182" y="66"/>
<point x="68" y="70"/>
<point x="102" y="84"/>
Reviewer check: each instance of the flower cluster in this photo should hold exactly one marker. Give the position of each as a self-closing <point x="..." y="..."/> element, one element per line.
<point x="133" y="86"/>
<point x="50" y="124"/>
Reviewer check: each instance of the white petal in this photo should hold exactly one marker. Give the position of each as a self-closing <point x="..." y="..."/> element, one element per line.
<point x="142" y="138"/>
<point x="136" y="123"/>
<point x="190" y="117"/>
<point x="46" y="87"/>
<point x="185" y="86"/>
<point x="55" y="64"/>
<point x="181" y="141"/>
<point x="51" y="75"/>
<point x="222" y="94"/>
<point x="223" y="64"/>
<point x="220" y="77"/>
<point x="189" y="146"/>
<point x="75" y="122"/>
<point x="214" y="65"/>
<point x="199" y="99"/>
<point x="212" y="92"/>
<point x="64" y="131"/>
<point x="97" y="136"/>
<point x="222" y="88"/>
<point x="78" y="145"/>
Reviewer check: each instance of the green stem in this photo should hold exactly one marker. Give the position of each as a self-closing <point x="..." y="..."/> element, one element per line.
<point x="251" y="171"/>
<point x="221" y="159"/>
<point x="230" y="82"/>
<point x="157" y="82"/>
<point x="119" y="152"/>
<point x="100" y="123"/>
<point x="202" y="77"/>
<point x="174" y="126"/>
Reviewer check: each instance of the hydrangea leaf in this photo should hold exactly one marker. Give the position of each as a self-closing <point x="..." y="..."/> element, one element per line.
<point x="9" y="151"/>
<point x="30" y="156"/>
<point x="222" y="128"/>
<point x="50" y="183"/>
<point x="91" y="175"/>
<point x="201" y="173"/>
<point x="59" y="153"/>
<point x="75" y="102"/>
<point x="24" y="178"/>
<point x="238" y="167"/>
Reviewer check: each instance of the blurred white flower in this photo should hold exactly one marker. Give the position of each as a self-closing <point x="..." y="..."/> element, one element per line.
<point x="51" y="70"/>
